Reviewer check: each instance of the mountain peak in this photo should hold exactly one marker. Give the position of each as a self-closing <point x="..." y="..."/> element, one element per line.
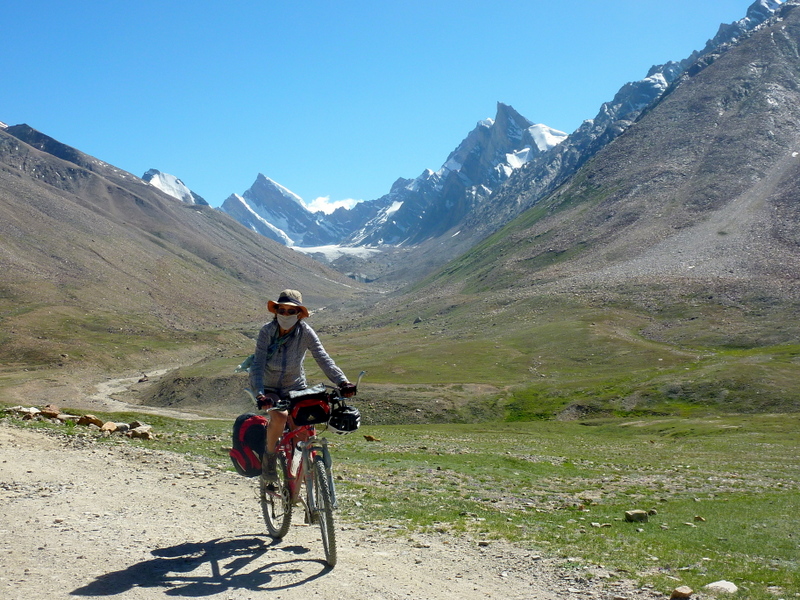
<point x="270" y="185"/>
<point x="172" y="186"/>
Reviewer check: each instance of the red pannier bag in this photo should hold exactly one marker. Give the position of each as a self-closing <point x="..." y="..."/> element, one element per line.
<point x="249" y="440"/>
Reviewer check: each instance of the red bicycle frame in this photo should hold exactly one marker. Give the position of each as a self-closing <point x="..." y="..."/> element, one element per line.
<point x="300" y="445"/>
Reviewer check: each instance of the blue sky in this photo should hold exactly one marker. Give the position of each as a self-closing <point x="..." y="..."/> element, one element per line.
<point x="330" y="99"/>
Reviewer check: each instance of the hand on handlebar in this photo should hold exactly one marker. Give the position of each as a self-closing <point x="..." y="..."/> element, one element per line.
<point x="348" y="389"/>
<point x="263" y="402"/>
<point x="270" y="400"/>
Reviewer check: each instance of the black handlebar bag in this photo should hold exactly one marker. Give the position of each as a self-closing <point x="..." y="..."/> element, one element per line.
<point x="310" y="406"/>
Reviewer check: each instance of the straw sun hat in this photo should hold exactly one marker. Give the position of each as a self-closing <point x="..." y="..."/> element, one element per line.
<point x="289" y="298"/>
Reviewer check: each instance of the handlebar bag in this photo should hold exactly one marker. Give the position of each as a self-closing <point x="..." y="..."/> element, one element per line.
<point x="309" y="406"/>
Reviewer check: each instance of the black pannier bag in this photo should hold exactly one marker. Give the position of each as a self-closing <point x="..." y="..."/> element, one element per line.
<point x="249" y="440"/>
<point x="309" y="406"/>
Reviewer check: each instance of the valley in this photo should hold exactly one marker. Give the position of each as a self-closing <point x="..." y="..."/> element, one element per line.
<point x="610" y="324"/>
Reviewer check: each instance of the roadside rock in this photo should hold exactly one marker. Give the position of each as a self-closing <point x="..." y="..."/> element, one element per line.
<point x="636" y="516"/>
<point x="90" y="420"/>
<point x="722" y="586"/>
<point x="142" y="432"/>
<point x="52" y="413"/>
<point x="681" y="593"/>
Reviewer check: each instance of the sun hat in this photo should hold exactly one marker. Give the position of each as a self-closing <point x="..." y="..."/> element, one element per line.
<point x="291" y="298"/>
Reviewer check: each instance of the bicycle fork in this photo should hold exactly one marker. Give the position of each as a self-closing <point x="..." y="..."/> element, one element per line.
<point x="320" y="445"/>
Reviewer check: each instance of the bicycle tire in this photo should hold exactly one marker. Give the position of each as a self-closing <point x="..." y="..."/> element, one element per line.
<point x="324" y="509"/>
<point x="276" y="504"/>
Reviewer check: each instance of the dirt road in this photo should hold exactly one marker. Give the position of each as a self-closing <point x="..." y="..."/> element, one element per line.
<point x="82" y="518"/>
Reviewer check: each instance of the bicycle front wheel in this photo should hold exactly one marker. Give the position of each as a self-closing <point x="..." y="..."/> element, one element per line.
<point x="276" y="503"/>
<point x="323" y="501"/>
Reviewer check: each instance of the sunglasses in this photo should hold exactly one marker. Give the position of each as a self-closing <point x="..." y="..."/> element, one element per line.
<point x="283" y="310"/>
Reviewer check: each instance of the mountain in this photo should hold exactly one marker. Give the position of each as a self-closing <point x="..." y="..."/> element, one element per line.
<point x="693" y="204"/>
<point x="96" y="260"/>
<point x="436" y="202"/>
<point x="663" y="277"/>
<point x="279" y="214"/>
<point x="442" y="213"/>
<point x="414" y="210"/>
<point x="551" y="169"/>
<point x="169" y="184"/>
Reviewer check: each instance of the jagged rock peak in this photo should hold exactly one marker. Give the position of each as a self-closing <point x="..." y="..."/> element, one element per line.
<point x="270" y="186"/>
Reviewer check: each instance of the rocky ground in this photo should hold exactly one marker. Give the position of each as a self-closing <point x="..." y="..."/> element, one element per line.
<point x="85" y="518"/>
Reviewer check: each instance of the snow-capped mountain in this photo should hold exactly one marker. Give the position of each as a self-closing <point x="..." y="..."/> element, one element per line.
<point x="509" y="159"/>
<point x="278" y="213"/>
<point x="414" y="209"/>
<point x="436" y="202"/>
<point x="171" y="185"/>
<point x="547" y="171"/>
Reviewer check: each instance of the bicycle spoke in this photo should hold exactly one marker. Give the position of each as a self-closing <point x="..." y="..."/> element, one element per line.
<point x="276" y="505"/>
<point x="324" y="509"/>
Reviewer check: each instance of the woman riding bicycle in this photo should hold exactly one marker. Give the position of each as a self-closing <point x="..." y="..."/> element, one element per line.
<point x="277" y="367"/>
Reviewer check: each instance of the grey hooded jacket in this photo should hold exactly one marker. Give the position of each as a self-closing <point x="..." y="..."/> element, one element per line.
<point x="278" y="367"/>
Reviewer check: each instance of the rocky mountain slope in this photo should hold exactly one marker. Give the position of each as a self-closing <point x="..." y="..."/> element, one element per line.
<point x="87" y="249"/>
<point x="696" y="202"/>
<point x="478" y="189"/>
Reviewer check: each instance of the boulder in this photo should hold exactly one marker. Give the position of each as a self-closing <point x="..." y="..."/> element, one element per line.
<point x="51" y="411"/>
<point x="722" y="586"/>
<point x="90" y="420"/>
<point x="143" y="432"/>
<point x="681" y="593"/>
<point x="636" y="516"/>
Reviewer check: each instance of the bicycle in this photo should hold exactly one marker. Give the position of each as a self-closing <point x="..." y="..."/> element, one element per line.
<point x="304" y="458"/>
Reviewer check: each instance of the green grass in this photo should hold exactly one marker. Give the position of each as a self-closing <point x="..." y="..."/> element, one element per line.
<point x="546" y="354"/>
<point x="724" y="490"/>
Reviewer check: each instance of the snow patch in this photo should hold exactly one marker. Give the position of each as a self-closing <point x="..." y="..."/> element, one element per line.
<point x="169" y="184"/>
<point x="518" y="158"/>
<point x="546" y="137"/>
<point x="451" y="165"/>
<point x="393" y="208"/>
<point x="286" y="240"/>
<point x="331" y="253"/>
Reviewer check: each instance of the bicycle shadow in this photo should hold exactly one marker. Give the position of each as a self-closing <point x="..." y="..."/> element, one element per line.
<point x="223" y="565"/>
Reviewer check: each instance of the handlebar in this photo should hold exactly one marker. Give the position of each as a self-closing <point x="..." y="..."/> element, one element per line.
<point x="284" y="403"/>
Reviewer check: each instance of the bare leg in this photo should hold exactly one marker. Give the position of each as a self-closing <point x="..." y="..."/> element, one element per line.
<point x="277" y="423"/>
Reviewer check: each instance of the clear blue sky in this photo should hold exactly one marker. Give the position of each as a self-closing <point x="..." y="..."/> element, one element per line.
<point x="330" y="99"/>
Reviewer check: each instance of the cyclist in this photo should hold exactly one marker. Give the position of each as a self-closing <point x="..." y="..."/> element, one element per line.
<point x="277" y="367"/>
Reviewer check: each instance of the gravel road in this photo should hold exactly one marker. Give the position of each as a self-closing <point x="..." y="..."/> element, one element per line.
<point x="82" y="518"/>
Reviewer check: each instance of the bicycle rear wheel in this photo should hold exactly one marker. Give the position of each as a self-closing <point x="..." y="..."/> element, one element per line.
<point x="324" y="509"/>
<point x="276" y="503"/>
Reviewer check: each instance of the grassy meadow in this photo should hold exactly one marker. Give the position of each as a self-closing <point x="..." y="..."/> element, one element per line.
<point x="539" y="420"/>
<point x="722" y="490"/>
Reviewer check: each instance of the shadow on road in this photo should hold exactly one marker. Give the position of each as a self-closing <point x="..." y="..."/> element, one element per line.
<point x="221" y="565"/>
